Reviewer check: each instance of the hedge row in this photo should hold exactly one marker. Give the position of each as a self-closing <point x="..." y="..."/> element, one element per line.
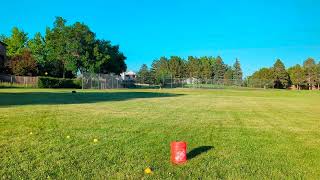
<point x="50" y="82"/>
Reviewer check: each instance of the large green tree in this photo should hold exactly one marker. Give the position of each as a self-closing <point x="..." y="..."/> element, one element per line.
<point x="176" y="67"/>
<point x="193" y="67"/>
<point x="310" y="69"/>
<point x="160" y="71"/>
<point x="56" y="43"/>
<point x="111" y="60"/>
<point x="80" y="46"/>
<point x="74" y="49"/>
<point x="262" y="78"/>
<point x="219" y="68"/>
<point x="297" y="75"/>
<point x="16" y="42"/>
<point x="143" y="75"/>
<point x="206" y="67"/>
<point x="280" y="75"/>
<point x="37" y="46"/>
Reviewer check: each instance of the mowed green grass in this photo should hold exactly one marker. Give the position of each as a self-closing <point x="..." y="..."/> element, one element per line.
<point x="251" y="134"/>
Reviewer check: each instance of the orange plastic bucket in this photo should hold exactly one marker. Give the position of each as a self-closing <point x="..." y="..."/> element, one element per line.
<point x="178" y="152"/>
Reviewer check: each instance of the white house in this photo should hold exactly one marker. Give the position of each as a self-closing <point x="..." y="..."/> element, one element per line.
<point x="130" y="75"/>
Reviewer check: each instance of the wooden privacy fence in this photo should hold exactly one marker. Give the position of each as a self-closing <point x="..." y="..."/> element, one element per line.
<point x="23" y="80"/>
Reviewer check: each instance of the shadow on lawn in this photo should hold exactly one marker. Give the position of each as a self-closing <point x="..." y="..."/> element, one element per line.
<point x="197" y="151"/>
<point x="45" y="98"/>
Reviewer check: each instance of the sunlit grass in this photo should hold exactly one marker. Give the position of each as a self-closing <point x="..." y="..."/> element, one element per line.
<point x="257" y="134"/>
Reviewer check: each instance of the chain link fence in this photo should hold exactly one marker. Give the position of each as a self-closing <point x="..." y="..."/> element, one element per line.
<point x="105" y="81"/>
<point x="112" y="81"/>
<point x="170" y="82"/>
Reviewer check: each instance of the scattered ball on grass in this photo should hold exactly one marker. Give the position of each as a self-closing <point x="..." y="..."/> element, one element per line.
<point x="148" y="170"/>
<point x="30" y="133"/>
<point x="68" y="137"/>
<point x="95" y="140"/>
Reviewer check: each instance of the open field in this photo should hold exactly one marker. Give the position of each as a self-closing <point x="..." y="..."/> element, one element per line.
<point x="232" y="134"/>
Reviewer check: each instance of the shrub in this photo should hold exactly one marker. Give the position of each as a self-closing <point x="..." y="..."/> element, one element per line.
<point x="128" y="84"/>
<point x="50" y="82"/>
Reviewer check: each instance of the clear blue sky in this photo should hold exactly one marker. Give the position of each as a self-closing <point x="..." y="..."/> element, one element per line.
<point x="256" y="32"/>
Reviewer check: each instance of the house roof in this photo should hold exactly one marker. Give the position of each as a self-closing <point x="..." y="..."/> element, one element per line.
<point x="3" y="43"/>
<point x="129" y="73"/>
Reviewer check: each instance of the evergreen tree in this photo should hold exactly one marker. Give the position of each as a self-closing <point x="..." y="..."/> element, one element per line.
<point x="228" y="76"/>
<point x="318" y="75"/>
<point x="176" y="67"/>
<point x="297" y="75"/>
<point x="160" y="71"/>
<point x="280" y="75"/>
<point x="206" y="68"/>
<point x="310" y="69"/>
<point x="143" y="75"/>
<point x="219" y="69"/>
<point x="262" y="78"/>
<point x="237" y="73"/>
<point x="193" y="67"/>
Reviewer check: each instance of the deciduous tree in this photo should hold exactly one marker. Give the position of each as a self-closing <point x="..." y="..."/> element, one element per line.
<point x="23" y="64"/>
<point x="16" y="42"/>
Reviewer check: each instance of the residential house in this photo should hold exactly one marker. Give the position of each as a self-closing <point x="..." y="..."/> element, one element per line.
<point x="128" y="76"/>
<point x="2" y="54"/>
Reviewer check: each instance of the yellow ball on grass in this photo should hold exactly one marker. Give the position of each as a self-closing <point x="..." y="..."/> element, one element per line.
<point x="148" y="170"/>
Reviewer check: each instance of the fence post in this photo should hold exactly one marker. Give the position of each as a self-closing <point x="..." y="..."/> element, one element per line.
<point x="82" y="81"/>
<point x="90" y="82"/>
<point x="171" y="81"/>
<point x="112" y="82"/>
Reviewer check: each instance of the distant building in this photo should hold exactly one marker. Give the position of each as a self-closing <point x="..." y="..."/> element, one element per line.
<point x="2" y="53"/>
<point x="128" y="76"/>
<point x="2" y="50"/>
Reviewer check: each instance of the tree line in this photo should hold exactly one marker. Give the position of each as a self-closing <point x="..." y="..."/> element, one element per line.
<point x="64" y="51"/>
<point x="305" y="76"/>
<point x="199" y="68"/>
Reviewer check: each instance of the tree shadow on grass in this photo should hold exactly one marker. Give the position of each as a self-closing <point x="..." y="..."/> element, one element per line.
<point x="197" y="151"/>
<point x="47" y="98"/>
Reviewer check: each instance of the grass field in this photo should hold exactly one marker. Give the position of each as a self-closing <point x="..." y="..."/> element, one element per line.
<point x="231" y="134"/>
